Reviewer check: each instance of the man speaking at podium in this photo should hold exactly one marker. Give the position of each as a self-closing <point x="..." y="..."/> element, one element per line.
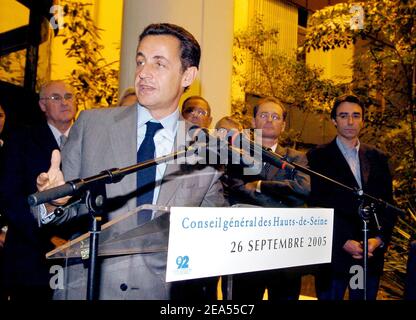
<point x="167" y="63"/>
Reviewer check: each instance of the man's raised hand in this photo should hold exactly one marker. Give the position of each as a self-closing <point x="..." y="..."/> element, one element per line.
<point x="53" y="178"/>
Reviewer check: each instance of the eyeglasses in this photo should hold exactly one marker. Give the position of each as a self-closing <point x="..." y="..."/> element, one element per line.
<point x="58" y="98"/>
<point x="222" y="130"/>
<point x="195" y="111"/>
<point x="266" y="115"/>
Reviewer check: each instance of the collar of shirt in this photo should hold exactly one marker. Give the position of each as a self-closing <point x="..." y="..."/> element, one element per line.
<point x="348" y="151"/>
<point x="57" y="134"/>
<point x="169" y="123"/>
<point x="164" y="138"/>
<point x="274" y="147"/>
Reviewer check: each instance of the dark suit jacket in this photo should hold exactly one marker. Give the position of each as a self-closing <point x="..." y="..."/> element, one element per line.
<point x="26" y="154"/>
<point x="376" y="181"/>
<point x="279" y="187"/>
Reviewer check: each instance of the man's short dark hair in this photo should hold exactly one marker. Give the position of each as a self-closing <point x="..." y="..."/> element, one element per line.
<point x="269" y="99"/>
<point x="234" y="123"/>
<point x="346" y="98"/>
<point x="190" y="49"/>
<point x="197" y="98"/>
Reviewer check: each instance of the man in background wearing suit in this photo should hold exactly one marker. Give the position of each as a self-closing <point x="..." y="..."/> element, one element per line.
<point x="358" y="166"/>
<point x="26" y="154"/>
<point x="167" y="62"/>
<point x="272" y="187"/>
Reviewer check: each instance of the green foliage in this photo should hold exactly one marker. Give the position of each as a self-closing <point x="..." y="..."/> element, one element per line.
<point x="384" y="76"/>
<point x="94" y="80"/>
<point x="275" y="73"/>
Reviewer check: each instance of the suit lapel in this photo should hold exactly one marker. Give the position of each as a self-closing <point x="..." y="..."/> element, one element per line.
<point x="272" y="173"/>
<point x="364" y="164"/>
<point x="43" y="137"/>
<point x="342" y="165"/>
<point x="123" y="141"/>
<point x="169" y="187"/>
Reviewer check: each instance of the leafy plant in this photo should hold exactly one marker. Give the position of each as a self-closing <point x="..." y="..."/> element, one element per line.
<point x="94" y="80"/>
<point x="271" y="72"/>
<point x="12" y="67"/>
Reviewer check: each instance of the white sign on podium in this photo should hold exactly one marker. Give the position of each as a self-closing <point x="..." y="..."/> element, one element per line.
<point x="205" y="242"/>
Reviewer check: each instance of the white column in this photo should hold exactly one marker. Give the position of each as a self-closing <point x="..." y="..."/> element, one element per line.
<point x="211" y="23"/>
<point x="216" y="66"/>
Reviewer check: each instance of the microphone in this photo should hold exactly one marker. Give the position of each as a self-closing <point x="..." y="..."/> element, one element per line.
<point x="216" y="150"/>
<point x="54" y="193"/>
<point x="242" y="141"/>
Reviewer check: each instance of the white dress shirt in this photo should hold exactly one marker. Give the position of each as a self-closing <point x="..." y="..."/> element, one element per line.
<point x="57" y="134"/>
<point x="164" y="139"/>
<point x="352" y="158"/>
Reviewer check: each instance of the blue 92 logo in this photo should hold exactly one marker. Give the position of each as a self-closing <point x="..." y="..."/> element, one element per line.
<point x="182" y="262"/>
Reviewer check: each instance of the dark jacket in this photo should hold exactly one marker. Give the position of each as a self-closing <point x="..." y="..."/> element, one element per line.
<point x="26" y="154"/>
<point x="279" y="187"/>
<point x="376" y="181"/>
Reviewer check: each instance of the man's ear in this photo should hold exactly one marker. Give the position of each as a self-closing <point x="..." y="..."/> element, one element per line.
<point x="189" y="76"/>
<point x="253" y="123"/>
<point x="42" y="105"/>
<point x="283" y="126"/>
<point x="209" y="120"/>
<point x="334" y="122"/>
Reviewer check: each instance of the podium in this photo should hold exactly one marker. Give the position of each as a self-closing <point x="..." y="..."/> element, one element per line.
<point x="183" y="243"/>
<point x="130" y="256"/>
<point x="146" y="238"/>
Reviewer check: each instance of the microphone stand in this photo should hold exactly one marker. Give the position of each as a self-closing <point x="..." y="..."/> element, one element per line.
<point x="363" y="213"/>
<point x="94" y="196"/>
